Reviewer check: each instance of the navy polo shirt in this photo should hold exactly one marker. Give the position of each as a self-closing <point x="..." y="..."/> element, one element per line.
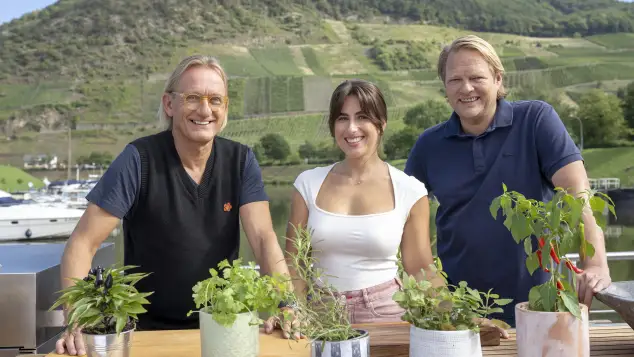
<point x="523" y="147"/>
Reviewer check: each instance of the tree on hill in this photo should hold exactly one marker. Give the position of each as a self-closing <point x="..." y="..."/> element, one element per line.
<point x="628" y="104"/>
<point x="427" y="114"/>
<point x="398" y="145"/>
<point x="602" y="117"/>
<point x="275" y="146"/>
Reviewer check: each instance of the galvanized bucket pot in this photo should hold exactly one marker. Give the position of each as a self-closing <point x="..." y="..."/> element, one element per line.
<point x="108" y="345"/>
<point x="354" y="347"/>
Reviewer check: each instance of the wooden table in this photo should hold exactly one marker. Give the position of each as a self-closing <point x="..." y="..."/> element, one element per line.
<point x="385" y="339"/>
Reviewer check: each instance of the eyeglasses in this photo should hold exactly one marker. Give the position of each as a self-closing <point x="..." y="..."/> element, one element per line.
<point x="193" y="100"/>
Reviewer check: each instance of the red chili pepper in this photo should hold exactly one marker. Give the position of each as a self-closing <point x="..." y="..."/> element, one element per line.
<point x="539" y="257"/>
<point x="552" y="249"/>
<point x="560" y="286"/>
<point x="553" y="254"/>
<point x="573" y="267"/>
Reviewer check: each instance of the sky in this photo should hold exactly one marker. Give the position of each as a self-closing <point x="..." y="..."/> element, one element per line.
<point x="11" y="9"/>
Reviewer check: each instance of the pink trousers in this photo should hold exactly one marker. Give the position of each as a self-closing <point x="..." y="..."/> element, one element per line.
<point x="373" y="304"/>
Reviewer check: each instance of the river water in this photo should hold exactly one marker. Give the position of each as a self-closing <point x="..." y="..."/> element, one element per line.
<point x="618" y="239"/>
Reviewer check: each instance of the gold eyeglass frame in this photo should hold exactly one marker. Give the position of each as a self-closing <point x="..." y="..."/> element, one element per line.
<point x="183" y="95"/>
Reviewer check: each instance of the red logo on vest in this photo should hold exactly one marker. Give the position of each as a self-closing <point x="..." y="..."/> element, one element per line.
<point x="227" y="207"/>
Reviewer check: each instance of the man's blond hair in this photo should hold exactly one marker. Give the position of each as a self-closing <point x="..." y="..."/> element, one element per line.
<point x="485" y="49"/>
<point x="177" y="74"/>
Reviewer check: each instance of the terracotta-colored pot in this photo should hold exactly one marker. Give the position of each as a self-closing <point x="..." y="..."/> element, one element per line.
<point x="551" y="334"/>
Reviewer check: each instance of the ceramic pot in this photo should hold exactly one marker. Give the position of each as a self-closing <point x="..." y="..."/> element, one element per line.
<point x="109" y="345"/>
<point x="354" y="347"/>
<point x="431" y="343"/>
<point x="551" y="334"/>
<point x="238" y="340"/>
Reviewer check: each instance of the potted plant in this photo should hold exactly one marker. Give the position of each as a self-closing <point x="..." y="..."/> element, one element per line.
<point x="445" y="320"/>
<point x="105" y="305"/>
<point x="552" y="319"/>
<point x="229" y="304"/>
<point x="323" y="317"/>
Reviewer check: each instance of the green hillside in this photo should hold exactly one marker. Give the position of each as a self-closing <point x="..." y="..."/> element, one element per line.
<point x="97" y="65"/>
<point x="13" y="179"/>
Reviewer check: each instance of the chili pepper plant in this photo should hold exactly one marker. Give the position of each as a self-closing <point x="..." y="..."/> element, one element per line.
<point x="104" y="302"/>
<point x="554" y="229"/>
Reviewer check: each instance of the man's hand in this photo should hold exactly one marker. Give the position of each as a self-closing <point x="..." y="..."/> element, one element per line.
<point x="291" y="324"/>
<point x="71" y="343"/>
<point x="497" y="324"/>
<point x="591" y="281"/>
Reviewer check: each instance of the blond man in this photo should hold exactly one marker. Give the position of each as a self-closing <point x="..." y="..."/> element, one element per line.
<point x="181" y="194"/>
<point x="488" y="141"/>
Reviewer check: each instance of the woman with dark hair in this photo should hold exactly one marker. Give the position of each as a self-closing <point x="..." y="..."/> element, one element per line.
<point x="361" y="210"/>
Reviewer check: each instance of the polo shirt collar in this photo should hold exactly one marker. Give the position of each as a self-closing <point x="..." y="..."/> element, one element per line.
<point x="503" y="117"/>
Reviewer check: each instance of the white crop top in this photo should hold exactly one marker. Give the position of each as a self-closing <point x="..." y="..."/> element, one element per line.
<point x="357" y="252"/>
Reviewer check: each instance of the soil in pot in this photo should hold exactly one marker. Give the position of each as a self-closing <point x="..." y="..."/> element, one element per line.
<point x="238" y="340"/>
<point x="355" y="347"/>
<point x="551" y="334"/>
<point x="430" y="343"/>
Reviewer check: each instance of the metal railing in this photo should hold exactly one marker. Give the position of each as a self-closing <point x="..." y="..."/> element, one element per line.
<point x="605" y="183"/>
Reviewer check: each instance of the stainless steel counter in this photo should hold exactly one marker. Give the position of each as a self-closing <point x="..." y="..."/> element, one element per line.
<point x="29" y="282"/>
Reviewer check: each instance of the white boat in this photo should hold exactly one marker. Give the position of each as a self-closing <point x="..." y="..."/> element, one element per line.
<point x="25" y="220"/>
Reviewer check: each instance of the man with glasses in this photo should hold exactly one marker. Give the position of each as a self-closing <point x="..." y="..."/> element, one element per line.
<point x="181" y="194"/>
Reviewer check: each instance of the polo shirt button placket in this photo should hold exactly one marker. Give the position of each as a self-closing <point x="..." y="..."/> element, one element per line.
<point x="478" y="157"/>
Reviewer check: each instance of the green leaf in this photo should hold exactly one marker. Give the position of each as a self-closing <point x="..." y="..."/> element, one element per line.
<point x="555" y="216"/>
<point x="572" y="303"/>
<point x="495" y="207"/>
<point x="532" y="263"/>
<point x="508" y="223"/>
<point x="575" y="213"/>
<point x="502" y="302"/>
<point x="534" y="299"/>
<point x="548" y="294"/>
<point x="528" y="247"/>
<point x="122" y="319"/>
<point x="589" y="249"/>
<point x="520" y="228"/>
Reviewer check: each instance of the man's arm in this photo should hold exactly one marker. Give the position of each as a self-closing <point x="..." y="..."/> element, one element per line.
<point x="256" y="219"/>
<point x="109" y="201"/>
<point x="93" y="228"/>
<point x="562" y="163"/>
<point x="258" y="226"/>
<point x="596" y="275"/>
<point x="573" y="177"/>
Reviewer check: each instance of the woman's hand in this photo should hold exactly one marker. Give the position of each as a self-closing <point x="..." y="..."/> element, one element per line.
<point x="290" y="323"/>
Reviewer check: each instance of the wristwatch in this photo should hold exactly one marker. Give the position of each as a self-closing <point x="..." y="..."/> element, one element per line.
<point x="284" y="304"/>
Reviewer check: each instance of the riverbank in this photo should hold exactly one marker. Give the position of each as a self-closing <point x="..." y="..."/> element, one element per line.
<point x="600" y="163"/>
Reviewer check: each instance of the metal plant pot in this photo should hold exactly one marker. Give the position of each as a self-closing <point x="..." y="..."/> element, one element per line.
<point x="108" y="345"/>
<point x="354" y="347"/>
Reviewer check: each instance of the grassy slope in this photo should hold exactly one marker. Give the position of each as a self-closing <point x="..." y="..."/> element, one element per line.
<point x="571" y="63"/>
<point x="10" y="175"/>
